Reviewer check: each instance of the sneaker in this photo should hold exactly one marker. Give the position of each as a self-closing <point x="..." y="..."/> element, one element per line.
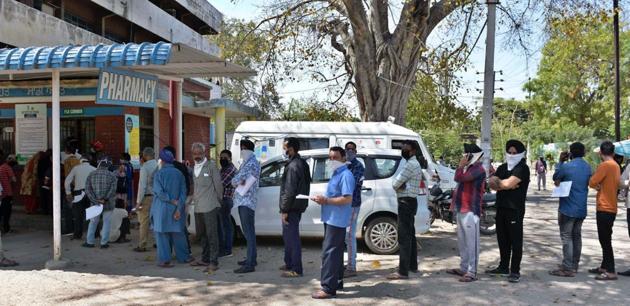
<point x="87" y="245"/>
<point x="498" y="271"/>
<point x="244" y="261"/>
<point x="226" y="255"/>
<point x="349" y="273"/>
<point x="244" y="269"/>
<point x="514" y="278"/>
<point x="105" y="246"/>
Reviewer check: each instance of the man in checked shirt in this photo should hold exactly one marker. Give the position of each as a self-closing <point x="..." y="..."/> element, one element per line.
<point x="226" y="229"/>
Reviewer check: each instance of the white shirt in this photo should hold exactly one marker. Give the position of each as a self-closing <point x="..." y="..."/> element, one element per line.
<point x="199" y="166"/>
<point x="78" y="176"/>
<point x="116" y="221"/>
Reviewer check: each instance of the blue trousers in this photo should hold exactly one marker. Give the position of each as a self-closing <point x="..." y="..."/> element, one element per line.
<point x="249" y="230"/>
<point x="332" y="258"/>
<point x="292" y="243"/>
<point x="164" y="242"/>
<point x="226" y="229"/>
<point x="107" y="217"/>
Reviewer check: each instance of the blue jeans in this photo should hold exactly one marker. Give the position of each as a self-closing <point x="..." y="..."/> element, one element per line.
<point x="292" y="243"/>
<point x="226" y="229"/>
<point x="249" y="230"/>
<point x="107" y="217"/>
<point x="351" y="239"/>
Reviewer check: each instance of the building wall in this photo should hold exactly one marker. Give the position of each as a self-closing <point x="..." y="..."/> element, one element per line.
<point x="196" y="129"/>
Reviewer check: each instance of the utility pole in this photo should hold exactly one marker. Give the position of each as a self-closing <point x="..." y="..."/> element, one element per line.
<point x="488" y="88"/>
<point x="617" y="82"/>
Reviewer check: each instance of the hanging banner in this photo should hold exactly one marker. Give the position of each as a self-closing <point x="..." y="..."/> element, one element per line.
<point x="128" y="88"/>
<point x="31" y="131"/>
<point x="132" y="139"/>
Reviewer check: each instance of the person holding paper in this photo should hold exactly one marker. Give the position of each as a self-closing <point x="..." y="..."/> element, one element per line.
<point x="75" y="194"/>
<point x="511" y="181"/>
<point x="100" y="189"/>
<point x="168" y="212"/>
<point x="572" y="209"/>
<point x="606" y="181"/>
<point x="246" y="183"/>
<point x="296" y="180"/>
<point x="207" y="197"/>
<point x="336" y="206"/>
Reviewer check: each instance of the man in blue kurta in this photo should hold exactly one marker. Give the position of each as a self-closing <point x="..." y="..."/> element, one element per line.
<point x="336" y="210"/>
<point x="168" y="212"/>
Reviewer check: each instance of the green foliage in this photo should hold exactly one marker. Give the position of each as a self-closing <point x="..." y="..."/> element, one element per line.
<point x="298" y="110"/>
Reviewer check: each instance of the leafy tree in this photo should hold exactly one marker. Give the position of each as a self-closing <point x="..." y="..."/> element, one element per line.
<point x="375" y="48"/>
<point x="314" y="111"/>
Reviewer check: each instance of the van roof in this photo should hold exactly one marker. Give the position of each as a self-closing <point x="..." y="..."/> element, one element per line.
<point x="321" y="127"/>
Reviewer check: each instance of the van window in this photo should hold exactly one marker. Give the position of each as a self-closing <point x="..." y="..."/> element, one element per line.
<point x="314" y="143"/>
<point x="271" y="174"/>
<point x="385" y="167"/>
<point x="321" y="173"/>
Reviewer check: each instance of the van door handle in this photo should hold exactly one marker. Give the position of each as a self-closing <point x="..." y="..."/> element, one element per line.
<point x="366" y="189"/>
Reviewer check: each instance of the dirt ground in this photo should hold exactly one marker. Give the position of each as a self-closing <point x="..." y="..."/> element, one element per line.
<point x="122" y="277"/>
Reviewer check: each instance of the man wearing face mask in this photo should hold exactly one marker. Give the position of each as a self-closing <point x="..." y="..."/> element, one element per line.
<point x="466" y="205"/>
<point x="296" y="179"/>
<point x="207" y="197"/>
<point x="246" y="203"/>
<point x="336" y="209"/>
<point x="407" y="186"/>
<point x="357" y="169"/>
<point x="510" y="181"/>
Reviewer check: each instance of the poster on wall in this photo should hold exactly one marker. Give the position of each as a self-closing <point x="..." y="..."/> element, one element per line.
<point x="31" y="131"/>
<point x="132" y="139"/>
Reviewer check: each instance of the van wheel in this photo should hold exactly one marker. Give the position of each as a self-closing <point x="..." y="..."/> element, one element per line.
<point x="381" y="236"/>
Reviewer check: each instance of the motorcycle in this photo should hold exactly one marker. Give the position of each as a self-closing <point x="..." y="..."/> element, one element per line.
<point x="440" y="203"/>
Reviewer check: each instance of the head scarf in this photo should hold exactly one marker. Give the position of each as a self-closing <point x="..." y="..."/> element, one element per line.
<point x="476" y="152"/>
<point x="104" y="163"/>
<point x="166" y="156"/>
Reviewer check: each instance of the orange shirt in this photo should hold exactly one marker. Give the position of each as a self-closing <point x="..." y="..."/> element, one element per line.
<point x="607" y="177"/>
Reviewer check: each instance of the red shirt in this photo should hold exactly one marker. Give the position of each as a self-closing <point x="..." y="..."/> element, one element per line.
<point x="6" y="174"/>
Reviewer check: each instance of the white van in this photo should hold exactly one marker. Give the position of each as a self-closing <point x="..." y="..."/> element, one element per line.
<point x="269" y="135"/>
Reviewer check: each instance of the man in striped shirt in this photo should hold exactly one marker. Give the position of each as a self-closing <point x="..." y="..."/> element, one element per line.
<point x="466" y="205"/>
<point x="407" y="186"/>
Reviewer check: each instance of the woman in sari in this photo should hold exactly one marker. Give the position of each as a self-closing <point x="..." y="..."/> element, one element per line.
<point x="29" y="186"/>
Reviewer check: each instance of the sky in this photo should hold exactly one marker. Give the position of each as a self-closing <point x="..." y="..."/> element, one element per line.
<point x="516" y="67"/>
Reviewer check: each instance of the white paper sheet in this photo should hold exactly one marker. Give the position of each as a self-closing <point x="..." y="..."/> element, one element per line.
<point x="79" y="197"/>
<point x="563" y="190"/>
<point x="302" y="197"/>
<point x="243" y="189"/>
<point x="93" y="211"/>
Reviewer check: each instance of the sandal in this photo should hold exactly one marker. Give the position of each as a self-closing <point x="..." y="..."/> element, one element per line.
<point x="467" y="278"/>
<point x="166" y="265"/>
<point x="457" y="272"/>
<point x="140" y="250"/>
<point x="290" y="274"/>
<point x="321" y="295"/>
<point x="397" y="276"/>
<point x="5" y="262"/>
<point x="562" y="273"/>
<point x="596" y="271"/>
<point x="199" y="264"/>
<point x="606" y="277"/>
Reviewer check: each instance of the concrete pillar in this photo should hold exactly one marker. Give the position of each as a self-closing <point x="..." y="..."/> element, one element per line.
<point x="219" y="130"/>
<point x="179" y="117"/>
<point x="156" y="127"/>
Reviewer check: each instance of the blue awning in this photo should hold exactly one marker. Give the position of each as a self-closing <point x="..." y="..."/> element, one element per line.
<point x="168" y="60"/>
<point x="98" y="56"/>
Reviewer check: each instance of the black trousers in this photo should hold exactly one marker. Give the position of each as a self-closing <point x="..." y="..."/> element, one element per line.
<point x="332" y="258"/>
<point x="292" y="243"/>
<point x="125" y="229"/>
<point x="6" y="207"/>
<point x="78" y="217"/>
<point x="510" y="238"/>
<point x="408" y="254"/>
<point x="605" y="223"/>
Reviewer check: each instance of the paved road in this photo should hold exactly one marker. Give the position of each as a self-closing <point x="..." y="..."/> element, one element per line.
<point x="119" y="276"/>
